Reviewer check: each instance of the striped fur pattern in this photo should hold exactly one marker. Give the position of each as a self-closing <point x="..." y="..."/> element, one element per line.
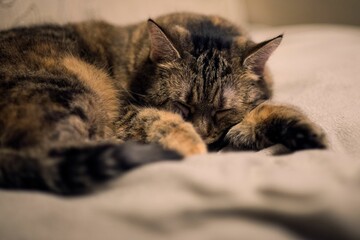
<point x="71" y="95"/>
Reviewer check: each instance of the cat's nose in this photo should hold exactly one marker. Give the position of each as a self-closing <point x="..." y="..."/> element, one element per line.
<point x="201" y="126"/>
<point x="205" y="135"/>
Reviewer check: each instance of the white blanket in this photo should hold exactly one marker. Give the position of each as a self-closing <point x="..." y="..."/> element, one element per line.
<point x="245" y="195"/>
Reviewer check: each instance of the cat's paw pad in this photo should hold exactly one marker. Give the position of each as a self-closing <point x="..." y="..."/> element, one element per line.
<point x="298" y="135"/>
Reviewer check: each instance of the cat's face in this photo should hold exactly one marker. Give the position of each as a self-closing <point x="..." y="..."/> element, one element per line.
<point x="212" y="89"/>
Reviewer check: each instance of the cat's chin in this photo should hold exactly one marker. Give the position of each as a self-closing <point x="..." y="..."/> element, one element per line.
<point x="216" y="144"/>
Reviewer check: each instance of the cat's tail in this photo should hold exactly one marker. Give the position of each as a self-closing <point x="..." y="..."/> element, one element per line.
<point x="75" y="170"/>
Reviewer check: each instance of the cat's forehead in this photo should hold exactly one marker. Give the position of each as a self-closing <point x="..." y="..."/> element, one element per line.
<point x="212" y="65"/>
<point x="209" y="73"/>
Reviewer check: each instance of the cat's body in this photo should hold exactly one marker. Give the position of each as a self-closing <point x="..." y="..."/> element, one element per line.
<point x="71" y="94"/>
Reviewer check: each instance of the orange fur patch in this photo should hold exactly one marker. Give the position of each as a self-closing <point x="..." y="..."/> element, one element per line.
<point x="172" y="132"/>
<point x="266" y="111"/>
<point x="98" y="81"/>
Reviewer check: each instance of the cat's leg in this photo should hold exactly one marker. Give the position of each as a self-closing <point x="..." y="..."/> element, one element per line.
<point x="270" y="124"/>
<point x="52" y="133"/>
<point x="76" y="169"/>
<point x="150" y="125"/>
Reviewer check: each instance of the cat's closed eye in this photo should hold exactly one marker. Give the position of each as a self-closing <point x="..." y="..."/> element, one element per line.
<point x="182" y="109"/>
<point x="220" y="114"/>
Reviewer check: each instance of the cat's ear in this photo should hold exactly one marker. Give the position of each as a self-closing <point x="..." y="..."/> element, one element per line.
<point x="260" y="53"/>
<point x="161" y="48"/>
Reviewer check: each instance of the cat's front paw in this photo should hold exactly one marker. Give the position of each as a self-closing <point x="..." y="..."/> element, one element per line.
<point x="182" y="138"/>
<point x="170" y="131"/>
<point x="243" y="137"/>
<point x="296" y="134"/>
<point x="271" y="124"/>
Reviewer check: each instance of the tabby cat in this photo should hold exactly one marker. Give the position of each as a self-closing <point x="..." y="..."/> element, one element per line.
<point x="184" y="84"/>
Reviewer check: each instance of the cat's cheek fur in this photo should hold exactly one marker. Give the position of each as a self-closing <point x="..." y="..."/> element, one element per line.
<point x="270" y="124"/>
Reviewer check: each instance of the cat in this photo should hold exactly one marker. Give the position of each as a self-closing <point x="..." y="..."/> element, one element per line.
<point x="82" y="103"/>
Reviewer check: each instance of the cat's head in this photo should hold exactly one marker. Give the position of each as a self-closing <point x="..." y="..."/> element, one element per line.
<point x="208" y="73"/>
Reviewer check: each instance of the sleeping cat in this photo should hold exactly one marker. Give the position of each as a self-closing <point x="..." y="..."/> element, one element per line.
<point x="184" y="84"/>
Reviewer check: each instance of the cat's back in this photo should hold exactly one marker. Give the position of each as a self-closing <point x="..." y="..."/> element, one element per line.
<point x="21" y="44"/>
<point x="40" y="47"/>
<point x="49" y="72"/>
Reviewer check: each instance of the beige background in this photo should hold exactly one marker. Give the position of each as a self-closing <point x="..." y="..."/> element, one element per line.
<point x="278" y="12"/>
<point x="268" y="12"/>
<point x="19" y="12"/>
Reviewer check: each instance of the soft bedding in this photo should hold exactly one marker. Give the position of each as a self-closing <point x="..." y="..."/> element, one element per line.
<point x="234" y="195"/>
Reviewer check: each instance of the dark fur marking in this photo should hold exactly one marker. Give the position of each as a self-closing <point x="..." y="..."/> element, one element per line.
<point x="18" y="139"/>
<point x="208" y="36"/>
<point x="78" y="111"/>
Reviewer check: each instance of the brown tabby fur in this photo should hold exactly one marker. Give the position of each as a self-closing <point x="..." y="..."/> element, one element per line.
<point x="190" y="83"/>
